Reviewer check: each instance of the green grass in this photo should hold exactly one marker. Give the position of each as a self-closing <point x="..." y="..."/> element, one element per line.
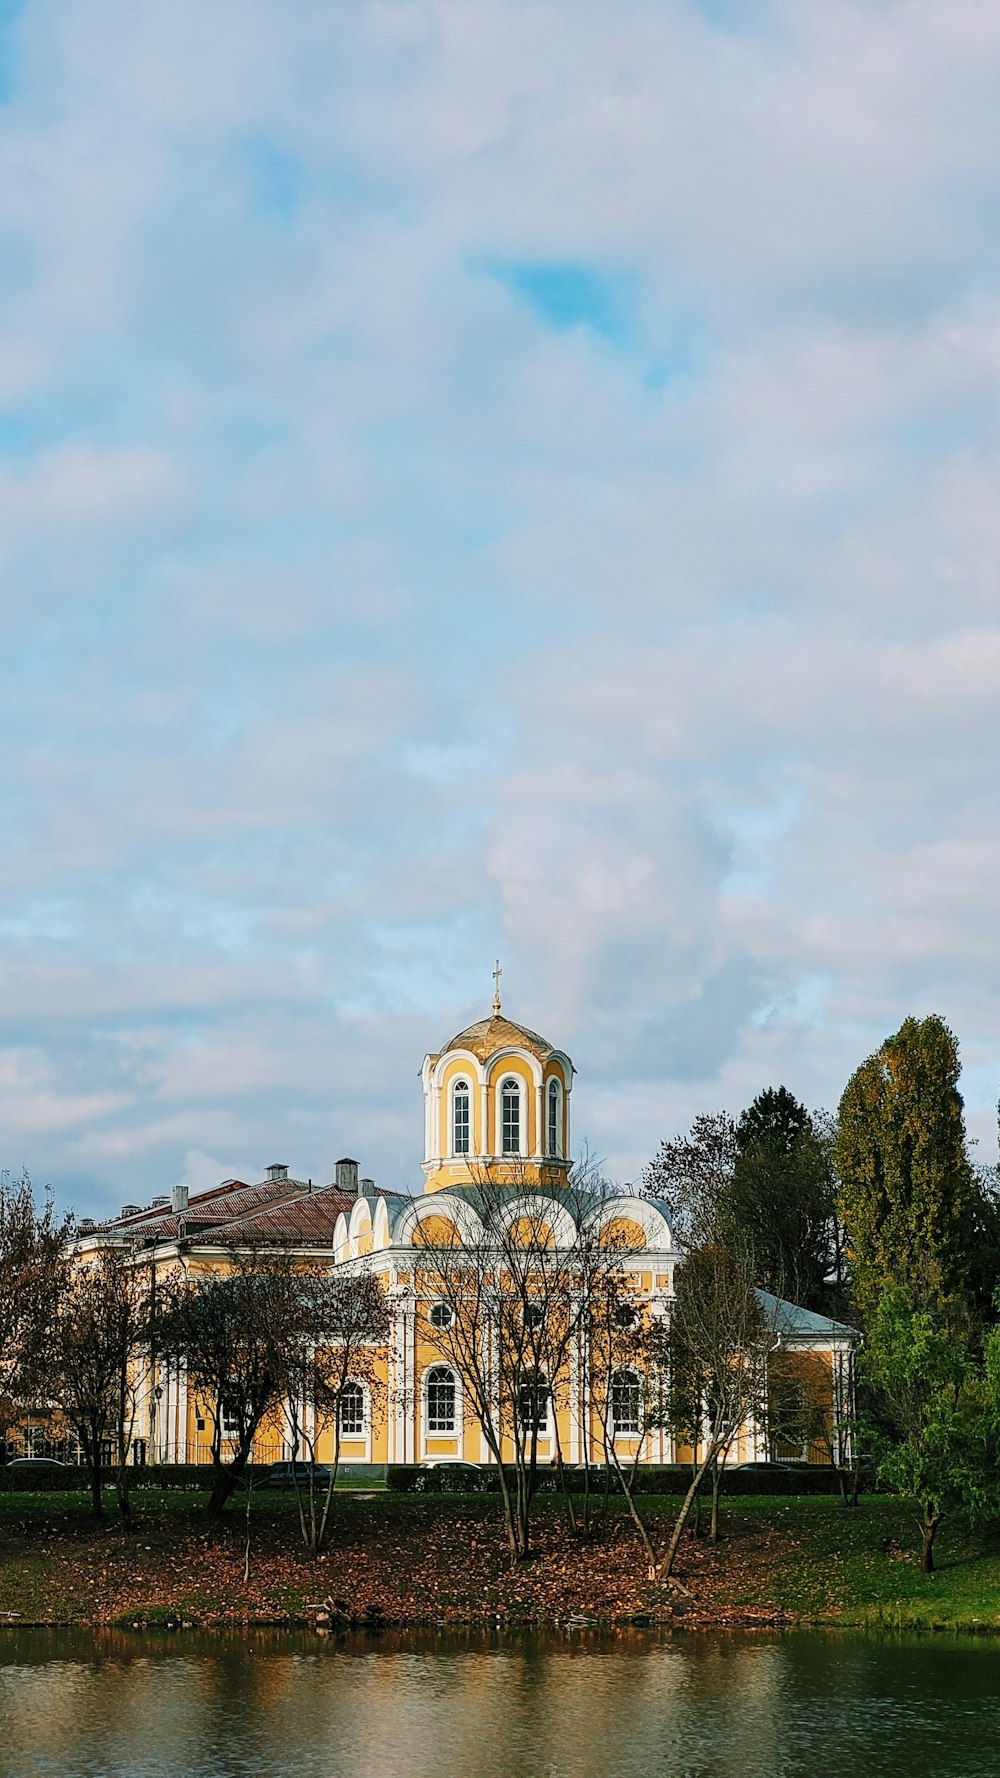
<point x="861" y="1566"/>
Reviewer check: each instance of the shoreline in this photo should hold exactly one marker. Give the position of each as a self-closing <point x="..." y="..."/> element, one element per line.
<point x="436" y="1564"/>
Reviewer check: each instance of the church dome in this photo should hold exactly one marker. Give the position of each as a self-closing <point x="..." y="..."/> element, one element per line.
<point x="484" y="1038"/>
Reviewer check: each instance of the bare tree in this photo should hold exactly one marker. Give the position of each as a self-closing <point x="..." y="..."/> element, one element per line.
<point x="516" y="1283"/>
<point x="239" y="1334"/>
<point x="91" y="1364"/>
<point x="715" y="1349"/>
<point x="336" y="1386"/>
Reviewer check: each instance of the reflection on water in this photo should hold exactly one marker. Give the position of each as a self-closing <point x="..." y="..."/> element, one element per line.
<point x="267" y="1706"/>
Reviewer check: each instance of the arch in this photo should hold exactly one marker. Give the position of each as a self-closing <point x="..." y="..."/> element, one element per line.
<point x="443" y="1205"/>
<point x="341" y="1237"/>
<point x="470" y="1065"/>
<point x="531" y="1208"/>
<point x="382" y="1235"/>
<point x="442" y="1402"/>
<point x="647" y="1214"/>
<point x="436" y="1231"/>
<point x="360" y="1224"/>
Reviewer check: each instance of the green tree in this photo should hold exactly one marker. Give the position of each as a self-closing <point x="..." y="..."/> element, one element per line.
<point x="779" y="1203"/>
<point x="932" y="1431"/>
<point x="907" y="1192"/>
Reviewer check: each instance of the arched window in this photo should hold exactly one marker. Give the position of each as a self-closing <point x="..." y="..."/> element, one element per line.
<point x="460" y="1120"/>
<point x="533" y="1403"/>
<point x="626" y="1402"/>
<point x="553" y="1142"/>
<point x="352" y="1411"/>
<point x="441" y="1399"/>
<point x="510" y="1118"/>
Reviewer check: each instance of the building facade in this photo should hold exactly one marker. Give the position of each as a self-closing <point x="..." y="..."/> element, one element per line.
<point x="497" y="1146"/>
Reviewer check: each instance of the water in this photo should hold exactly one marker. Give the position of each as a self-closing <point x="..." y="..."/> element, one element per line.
<point x="826" y="1706"/>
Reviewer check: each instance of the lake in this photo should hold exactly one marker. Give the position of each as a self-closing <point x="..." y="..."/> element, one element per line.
<point x="577" y="1706"/>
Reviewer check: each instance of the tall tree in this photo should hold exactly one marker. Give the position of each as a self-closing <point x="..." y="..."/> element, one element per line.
<point x="91" y="1364"/>
<point x="714" y="1355"/>
<point x="907" y="1191"/>
<point x="33" y="1263"/>
<point x="779" y="1202"/>
<point x="692" y="1174"/>
<point x="932" y="1431"/>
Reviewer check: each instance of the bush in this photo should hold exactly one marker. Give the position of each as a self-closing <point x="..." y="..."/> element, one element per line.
<point x="666" y="1478"/>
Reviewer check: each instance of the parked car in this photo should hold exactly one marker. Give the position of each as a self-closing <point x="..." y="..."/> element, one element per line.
<point x="776" y="1464"/>
<point x="36" y="1463"/>
<point x="285" y="1475"/>
<point x="451" y="1463"/>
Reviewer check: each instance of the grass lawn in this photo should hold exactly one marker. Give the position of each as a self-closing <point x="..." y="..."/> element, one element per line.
<point x="441" y="1559"/>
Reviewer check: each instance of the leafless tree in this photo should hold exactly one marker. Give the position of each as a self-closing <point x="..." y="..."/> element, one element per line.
<point x="91" y="1363"/>
<point x="516" y="1282"/>
<point x="715" y="1350"/>
<point x="337" y="1382"/>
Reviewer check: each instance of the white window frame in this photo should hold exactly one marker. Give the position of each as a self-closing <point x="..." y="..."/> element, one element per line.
<point x="434" y="1432"/>
<point x="544" y="1427"/>
<point x="553" y="1126"/>
<point x="635" y="1382"/>
<point x="511" y="1080"/>
<point x="461" y="1083"/>
<point x="361" y="1432"/>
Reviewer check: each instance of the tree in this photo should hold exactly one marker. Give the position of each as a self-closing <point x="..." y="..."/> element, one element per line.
<point x="240" y="1334"/>
<point x="907" y="1193"/>
<point x="714" y="1354"/>
<point x="335" y="1383"/>
<point x="692" y="1174"/>
<point x="515" y="1286"/>
<point x="933" y="1433"/>
<point x="779" y="1202"/>
<point x="91" y="1363"/>
<point x="33" y="1263"/>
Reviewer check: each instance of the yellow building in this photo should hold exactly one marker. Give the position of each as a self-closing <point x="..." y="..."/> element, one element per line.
<point x="497" y="1147"/>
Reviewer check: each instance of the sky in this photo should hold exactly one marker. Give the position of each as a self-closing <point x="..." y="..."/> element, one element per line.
<point x="489" y="478"/>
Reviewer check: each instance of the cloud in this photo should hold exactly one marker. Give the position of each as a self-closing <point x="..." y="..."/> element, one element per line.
<point x="472" y="478"/>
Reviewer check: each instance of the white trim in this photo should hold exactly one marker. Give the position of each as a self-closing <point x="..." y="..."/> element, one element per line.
<point x="457" y="1434"/>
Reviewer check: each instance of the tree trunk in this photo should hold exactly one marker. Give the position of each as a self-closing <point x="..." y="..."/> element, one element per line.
<point x="665" y="1568"/>
<point x="928" y="1529"/>
<point x="713" y="1529"/>
<point x="225" y="1481"/>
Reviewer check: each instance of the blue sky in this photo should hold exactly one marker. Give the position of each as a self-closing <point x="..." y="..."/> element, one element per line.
<point x="479" y="477"/>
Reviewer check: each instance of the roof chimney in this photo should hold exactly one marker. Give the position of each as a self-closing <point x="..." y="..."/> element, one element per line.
<point x="346" y="1176"/>
<point x="277" y="1170"/>
<point x="366" y="1188"/>
<point x="179" y="1199"/>
<point x="130" y="1209"/>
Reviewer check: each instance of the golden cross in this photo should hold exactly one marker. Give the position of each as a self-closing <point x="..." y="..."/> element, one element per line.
<point x="497" y="973"/>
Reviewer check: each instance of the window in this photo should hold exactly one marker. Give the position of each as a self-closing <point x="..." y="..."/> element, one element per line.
<point x="232" y="1421"/>
<point x="533" y="1316"/>
<point x="441" y="1316"/>
<point x="554" y="1118"/>
<point x="440" y="1399"/>
<point x="352" y="1411"/>
<point x="626" y="1402"/>
<point x="460" y="1118"/>
<point x="510" y="1103"/>
<point x="533" y="1404"/>
<point x="625" y="1316"/>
